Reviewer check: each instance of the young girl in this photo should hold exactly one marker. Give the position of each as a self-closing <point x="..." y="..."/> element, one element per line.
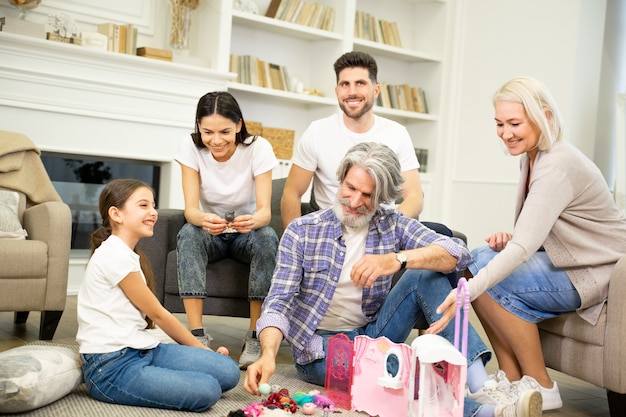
<point x="122" y="362"/>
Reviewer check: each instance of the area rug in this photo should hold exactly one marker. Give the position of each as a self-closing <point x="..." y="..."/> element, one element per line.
<point x="79" y="404"/>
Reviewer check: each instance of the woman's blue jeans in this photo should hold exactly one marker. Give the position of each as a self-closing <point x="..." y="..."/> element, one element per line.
<point x="169" y="376"/>
<point x="195" y="248"/>
<point x="418" y="293"/>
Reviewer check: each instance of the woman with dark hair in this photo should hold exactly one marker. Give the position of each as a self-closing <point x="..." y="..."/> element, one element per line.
<point x="227" y="185"/>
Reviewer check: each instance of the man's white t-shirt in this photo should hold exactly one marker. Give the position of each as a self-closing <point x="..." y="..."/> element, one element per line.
<point x="107" y="320"/>
<point x="228" y="186"/>
<point x="326" y="141"/>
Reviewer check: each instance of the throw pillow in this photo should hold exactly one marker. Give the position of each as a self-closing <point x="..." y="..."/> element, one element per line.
<point x="32" y="376"/>
<point x="10" y="226"/>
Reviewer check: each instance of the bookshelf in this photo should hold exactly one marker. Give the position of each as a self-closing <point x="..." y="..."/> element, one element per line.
<point x="308" y="54"/>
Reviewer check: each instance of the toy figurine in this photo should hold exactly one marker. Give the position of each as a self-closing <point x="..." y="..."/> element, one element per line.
<point x="230" y="217"/>
<point x="309" y="409"/>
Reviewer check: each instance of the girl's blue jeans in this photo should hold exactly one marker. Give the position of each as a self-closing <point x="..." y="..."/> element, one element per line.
<point x="418" y="293"/>
<point x="168" y="376"/>
<point x="195" y="248"/>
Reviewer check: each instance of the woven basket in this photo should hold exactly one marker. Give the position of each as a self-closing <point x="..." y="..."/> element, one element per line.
<point x="254" y="128"/>
<point x="281" y="140"/>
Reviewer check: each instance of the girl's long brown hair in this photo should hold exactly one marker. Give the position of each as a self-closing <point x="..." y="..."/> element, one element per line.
<point x="115" y="194"/>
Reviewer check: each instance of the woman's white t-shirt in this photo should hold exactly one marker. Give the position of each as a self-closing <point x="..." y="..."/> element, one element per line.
<point x="107" y="320"/>
<point x="229" y="185"/>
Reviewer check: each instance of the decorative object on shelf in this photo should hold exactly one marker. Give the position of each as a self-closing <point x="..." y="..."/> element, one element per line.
<point x="280" y="139"/>
<point x="63" y="26"/>
<point x="22" y="27"/>
<point x="94" y="40"/>
<point x="64" y="29"/>
<point x="181" y="22"/>
<point x="24" y="6"/>
<point x="247" y="6"/>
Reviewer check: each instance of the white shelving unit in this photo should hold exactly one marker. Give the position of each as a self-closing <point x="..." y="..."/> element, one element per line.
<point x="309" y="54"/>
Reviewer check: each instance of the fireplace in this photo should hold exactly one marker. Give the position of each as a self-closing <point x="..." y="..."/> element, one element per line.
<point x="79" y="179"/>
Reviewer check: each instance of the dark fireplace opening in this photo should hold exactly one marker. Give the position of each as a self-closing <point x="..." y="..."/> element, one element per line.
<point x="79" y="179"/>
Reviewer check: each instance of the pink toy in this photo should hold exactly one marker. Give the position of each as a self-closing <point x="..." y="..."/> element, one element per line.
<point x="309" y="409"/>
<point x="426" y="379"/>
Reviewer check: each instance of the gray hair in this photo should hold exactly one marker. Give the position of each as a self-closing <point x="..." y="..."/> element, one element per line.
<point x="539" y="106"/>
<point x="381" y="163"/>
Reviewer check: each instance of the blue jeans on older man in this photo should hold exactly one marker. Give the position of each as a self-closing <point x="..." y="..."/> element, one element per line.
<point x="418" y="293"/>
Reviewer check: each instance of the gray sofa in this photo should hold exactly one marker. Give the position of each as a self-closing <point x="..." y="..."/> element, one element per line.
<point x="227" y="279"/>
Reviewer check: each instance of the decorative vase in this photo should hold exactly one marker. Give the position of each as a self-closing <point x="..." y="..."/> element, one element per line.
<point x="179" y="30"/>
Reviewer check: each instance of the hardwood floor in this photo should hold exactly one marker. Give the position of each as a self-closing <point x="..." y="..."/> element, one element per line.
<point x="580" y="398"/>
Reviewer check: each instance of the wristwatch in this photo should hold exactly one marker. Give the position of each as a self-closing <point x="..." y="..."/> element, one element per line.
<point x="401" y="257"/>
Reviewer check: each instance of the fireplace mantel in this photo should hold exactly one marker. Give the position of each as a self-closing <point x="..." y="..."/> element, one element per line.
<point x="76" y="100"/>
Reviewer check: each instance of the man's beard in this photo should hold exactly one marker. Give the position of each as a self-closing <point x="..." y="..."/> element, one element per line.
<point x="349" y="219"/>
<point x="367" y="106"/>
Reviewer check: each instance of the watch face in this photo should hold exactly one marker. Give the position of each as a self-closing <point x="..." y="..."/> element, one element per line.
<point x="401" y="257"/>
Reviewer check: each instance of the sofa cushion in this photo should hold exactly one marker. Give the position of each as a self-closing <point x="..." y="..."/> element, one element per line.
<point x="572" y="326"/>
<point x="11" y="206"/>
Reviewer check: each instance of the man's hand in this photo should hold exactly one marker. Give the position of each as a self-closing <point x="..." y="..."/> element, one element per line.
<point x="448" y="308"/>
<point x="367" y="269"/>
<point x="498" y="240"/>
<point x="259" y="373"/>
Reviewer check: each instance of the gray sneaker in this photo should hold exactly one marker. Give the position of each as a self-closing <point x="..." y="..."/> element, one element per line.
<point x="251" y="350"/>
<point x="202" y="336"/>
<point x="527" y="405"/>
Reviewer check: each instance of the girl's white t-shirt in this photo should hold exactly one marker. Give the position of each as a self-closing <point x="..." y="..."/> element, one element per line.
<point x="228" y="186"/>
<point x="107" y="320"/>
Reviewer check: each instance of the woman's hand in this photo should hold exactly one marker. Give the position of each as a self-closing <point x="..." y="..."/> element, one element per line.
<point x="214" y="224"/>
<point x="243" y="223"/>
<point x="448" y="308"/>
<point x="498" y="240"/>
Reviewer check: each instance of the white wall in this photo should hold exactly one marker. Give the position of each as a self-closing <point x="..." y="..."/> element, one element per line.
<point x="556" y="41"/>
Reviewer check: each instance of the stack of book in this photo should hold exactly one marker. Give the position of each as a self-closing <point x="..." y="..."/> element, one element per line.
<point x="402" y="97"/>
<point x="367" y="26"/>
<point x="155" y="53"/>
<point x="254" y="71"/>
<point x="121" y="38"/>
<point x="309" y="14"/>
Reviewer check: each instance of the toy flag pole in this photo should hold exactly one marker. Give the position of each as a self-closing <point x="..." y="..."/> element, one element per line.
<point x="462" y="291"/>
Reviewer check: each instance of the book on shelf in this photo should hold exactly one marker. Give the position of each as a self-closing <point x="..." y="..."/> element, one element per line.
<point x="155" y="53"/>
<point x="422" y="157"/>
<point x="254" y="71"/>
<point x="402" y="97"/>
<point x="120" y="38"/>
<point x="272" y="9"/>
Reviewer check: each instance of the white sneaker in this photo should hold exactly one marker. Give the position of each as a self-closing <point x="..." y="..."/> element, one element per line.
<point x="527" y="405"/>
<point x="551" y="396"/>
<point x="251" y="350"/>
<point x="497" y="390"/>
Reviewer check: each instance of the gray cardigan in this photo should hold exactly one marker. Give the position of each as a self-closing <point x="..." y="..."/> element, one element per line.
<point x="570" y="211"/>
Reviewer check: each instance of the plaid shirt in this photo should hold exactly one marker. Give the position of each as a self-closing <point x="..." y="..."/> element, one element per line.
<point x="308" y="266"/>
